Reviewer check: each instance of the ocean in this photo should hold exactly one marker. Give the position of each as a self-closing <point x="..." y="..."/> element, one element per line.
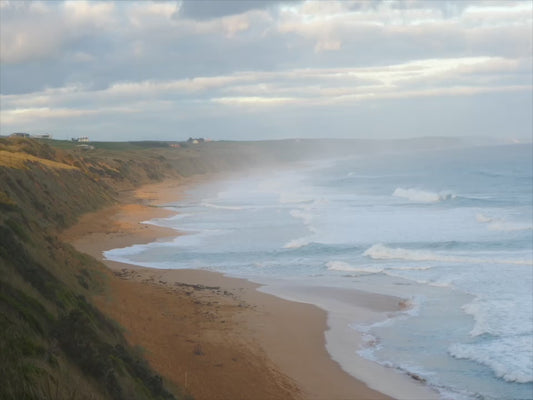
<point x="450" y="231"/>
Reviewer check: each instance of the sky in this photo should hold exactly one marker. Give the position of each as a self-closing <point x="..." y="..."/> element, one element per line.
<point x="249" y="70"/>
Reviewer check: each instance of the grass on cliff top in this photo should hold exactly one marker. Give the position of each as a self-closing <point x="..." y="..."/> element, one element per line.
<point x="20" y="160"/>
<point x="117" y="146"/>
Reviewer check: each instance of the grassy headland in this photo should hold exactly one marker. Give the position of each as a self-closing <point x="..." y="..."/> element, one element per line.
<point x="54" y="343"/>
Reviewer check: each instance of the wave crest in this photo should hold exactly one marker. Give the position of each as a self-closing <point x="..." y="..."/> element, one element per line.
<point x="502" y="356"/>
<point x="306" y="217"/>
<point x="499" y="224"/>
<point x="422" y="196"/>
<point x="382" y="252"/>
<point x="297" y="243"/>
<point x="343" y="266"/>
<point x="218" y="206"/>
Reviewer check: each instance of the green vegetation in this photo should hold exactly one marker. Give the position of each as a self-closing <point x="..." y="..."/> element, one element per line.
<point x="53" y="342"/>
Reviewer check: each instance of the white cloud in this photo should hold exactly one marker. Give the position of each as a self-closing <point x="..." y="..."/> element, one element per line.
<point x="327" y="45"/>
<point x="254" y="101"/>
<point x="495" y="15"/>
<point x="144" y="15"/>
<point x="20" y="116"/>
<point x="234" y="24"/>
<point x="333" y="23"/>
<point x="80" y="14"/>
<point x="307" y="87"/>
<point x="36" y="30"/>
<point x="25" y="115"/>
<point x="154" y="88"/>
<point x="81" y="59"/>
<point x="229" y="26"/>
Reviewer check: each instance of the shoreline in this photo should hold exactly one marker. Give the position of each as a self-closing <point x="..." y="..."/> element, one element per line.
<point x="248" y="337"/>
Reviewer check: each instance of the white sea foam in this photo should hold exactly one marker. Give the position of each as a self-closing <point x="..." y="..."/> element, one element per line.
<point x="382" y="252"/>
<point x="410" y="268"/>
<point x="367" y="328"/>
<point x="493" y="317"/>
<point x="510" y="358"/>
<point x="509" y="226"/>
<point x="413" y="305"/>
<point x="297" y="243"/>
<point x="440" y="284"/>
<point x="370" y="343"/>
<point x="306" y="217"/>
<point x="500" y="224"/>
<point x="211" y="205"/>
<point x="343" y="266"/>
<point x="121" y="254"/>
<point x="294" y="198"/>
<point x="422" y="196"/>
<point x="481" y="323"/>
<point x="411" y="308"/>
<point x="168" y="222"/>
<point x="482" y="218"/>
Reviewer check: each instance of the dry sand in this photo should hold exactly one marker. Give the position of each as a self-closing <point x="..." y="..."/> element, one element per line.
<point x="216" y="336"/>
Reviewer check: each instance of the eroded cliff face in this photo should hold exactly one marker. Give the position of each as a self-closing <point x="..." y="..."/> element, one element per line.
<point x="54" y="342"/>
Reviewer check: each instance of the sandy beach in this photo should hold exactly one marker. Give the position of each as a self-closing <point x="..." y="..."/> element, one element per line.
<point x="216" y="336"/>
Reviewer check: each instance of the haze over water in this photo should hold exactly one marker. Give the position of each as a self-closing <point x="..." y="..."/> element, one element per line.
<point x="449" y="230"/>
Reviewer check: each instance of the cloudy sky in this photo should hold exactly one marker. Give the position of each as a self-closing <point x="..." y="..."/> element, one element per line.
<point x="167" y="70"/>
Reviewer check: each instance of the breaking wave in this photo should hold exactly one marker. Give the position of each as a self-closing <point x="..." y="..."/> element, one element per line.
<point x="211" y="205"/>
<point x="498" y="224"/>
<point x="306" y="217"/>
<point x="343" y="266"/>
<point x="382" y="252"/>
<point x="297" y="243"/>
<point x="509" y="358"/>
<point x="422" y="196"/>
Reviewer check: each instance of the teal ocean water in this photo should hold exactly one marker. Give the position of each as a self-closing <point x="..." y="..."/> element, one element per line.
<point x="449" y="230"/>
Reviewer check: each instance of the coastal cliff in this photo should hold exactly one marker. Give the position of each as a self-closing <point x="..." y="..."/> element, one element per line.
<point x="54" y="342"/>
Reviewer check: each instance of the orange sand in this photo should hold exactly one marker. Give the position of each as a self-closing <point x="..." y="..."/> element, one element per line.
<point x="216" y="336"/>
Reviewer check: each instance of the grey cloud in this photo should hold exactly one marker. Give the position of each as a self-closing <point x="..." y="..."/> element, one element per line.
<point x="40" y="30"/>
<point x="147" y="47"/>
<point x="174" y="51"/>
<point x="473" y="115"/>
<point x="208" y="9"/>
<point x="448" y="9"/>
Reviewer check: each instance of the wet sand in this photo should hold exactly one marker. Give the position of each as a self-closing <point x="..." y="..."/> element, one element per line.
<point x="218" y="337"/>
